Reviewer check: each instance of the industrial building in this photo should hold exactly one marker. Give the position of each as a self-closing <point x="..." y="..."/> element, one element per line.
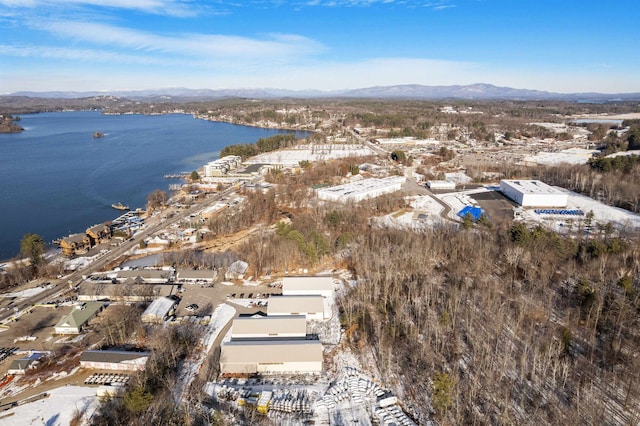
<point x="287" y="326"/>
<point x="533" y="193"/>
<point x="362" y="189"/>
<point x="441" y="184"/>
<point x="271" y="357"/>
<point x="307" y="286"/>
<point x="312" y="307"/>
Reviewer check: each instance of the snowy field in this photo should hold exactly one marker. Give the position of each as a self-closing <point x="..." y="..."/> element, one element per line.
<point x="56" y="410"/>
<point x="567" y="156"/>
<point x="291" y="157"/>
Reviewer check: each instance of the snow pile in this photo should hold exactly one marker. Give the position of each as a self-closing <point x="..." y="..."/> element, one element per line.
<point x="459" y="178"/>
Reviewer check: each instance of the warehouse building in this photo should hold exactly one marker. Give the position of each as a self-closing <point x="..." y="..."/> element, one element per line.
<point x="533" y="193"/>
<point x="271" y="357"/>
<point x="441" y="184"/>
<point x="114" y="360"/>
<point x="307" y="286"/>
<point x="284" y="326"/>
<point x="362" y="189"/>
<point x="312" y="307"/>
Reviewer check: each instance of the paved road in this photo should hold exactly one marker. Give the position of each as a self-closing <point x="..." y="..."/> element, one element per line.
<point x="63" y="286"/>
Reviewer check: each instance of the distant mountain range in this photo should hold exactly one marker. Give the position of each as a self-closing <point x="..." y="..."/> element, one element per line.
<point x="478" y="91"/>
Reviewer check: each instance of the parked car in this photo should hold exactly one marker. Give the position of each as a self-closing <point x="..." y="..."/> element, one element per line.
<point x="192" y="308"/>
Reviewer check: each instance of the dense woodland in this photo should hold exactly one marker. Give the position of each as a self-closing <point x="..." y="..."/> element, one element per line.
<point x="495" y="325"/>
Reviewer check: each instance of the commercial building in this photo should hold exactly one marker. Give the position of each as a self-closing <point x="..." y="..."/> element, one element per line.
<point x="362" y="189"/>
<point x="271" y="357"/>
<point x="114" y="360"/>
<point x="533" y="193"/>
<point x="158" y="310"/>
<point x="307" y="286"/>
<point x="287" y="326"/>
<point x="144" y="276"/>
<point x="200" y="276"/>
<point x="78" y="317"/>
<point x="312" y="307"/>
<point x="441" y="184"/>
<point x="94" y="291"/>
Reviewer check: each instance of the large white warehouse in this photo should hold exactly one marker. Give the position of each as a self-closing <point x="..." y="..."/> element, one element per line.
<point x="271" y="357"/>
<point x="312" y="307"/>
<point x="362" y="189"/>
<point x="533" y="193"/>
<point x="288" y="326"/>
<point x="307" y="286"/>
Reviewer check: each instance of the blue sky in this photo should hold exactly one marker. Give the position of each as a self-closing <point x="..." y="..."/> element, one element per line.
<point x="554" y="45"/>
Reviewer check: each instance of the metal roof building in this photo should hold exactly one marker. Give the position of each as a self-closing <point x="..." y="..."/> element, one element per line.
<point x="271" y="357"/>
<point x="289" y="326"/>
<point x="301" y="286"/>
<point x="533" y="193"/>
<point x="362" y="189"/>
<point x="158" y="310"/>
<point x="76" y="319"/>
<point x="310" y="306"/>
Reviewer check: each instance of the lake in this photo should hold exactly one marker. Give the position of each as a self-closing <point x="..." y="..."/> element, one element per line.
<point x="57" y="179"/>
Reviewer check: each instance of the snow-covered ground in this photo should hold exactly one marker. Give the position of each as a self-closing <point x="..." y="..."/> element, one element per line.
<point x="30" y="292"/>
<point x="291" y="157"/>
<point x="602" y="214"/>
<point x="457" y="201"/>
<point x="624" y="153"/>
<point x="219" y="319"/>
<point x="567" y="156"/>
<point x="460" y="178"/>
<point x="56" y="409"/>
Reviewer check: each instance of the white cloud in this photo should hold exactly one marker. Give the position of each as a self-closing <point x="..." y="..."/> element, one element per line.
<point x="197" y="45"/>
<point x="167" y="7"/>
<point x="81" y="55"/>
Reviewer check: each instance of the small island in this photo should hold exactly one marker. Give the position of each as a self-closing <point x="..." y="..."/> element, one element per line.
<point x="98" y="135"/>
<point x="8" y="124"/>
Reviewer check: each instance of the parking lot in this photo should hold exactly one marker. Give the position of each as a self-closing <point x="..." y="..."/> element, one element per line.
<point x="207" y="298"/>
<point x="498" y="207"/>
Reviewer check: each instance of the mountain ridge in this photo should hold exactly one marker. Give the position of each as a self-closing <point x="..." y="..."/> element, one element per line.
<point x="477" y="91"/>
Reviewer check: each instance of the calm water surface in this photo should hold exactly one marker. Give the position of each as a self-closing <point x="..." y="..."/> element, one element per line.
<point x="56" y="179"/>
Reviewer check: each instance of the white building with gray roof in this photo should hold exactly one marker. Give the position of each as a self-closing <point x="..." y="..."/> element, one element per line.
<point x="271" y="357"/>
